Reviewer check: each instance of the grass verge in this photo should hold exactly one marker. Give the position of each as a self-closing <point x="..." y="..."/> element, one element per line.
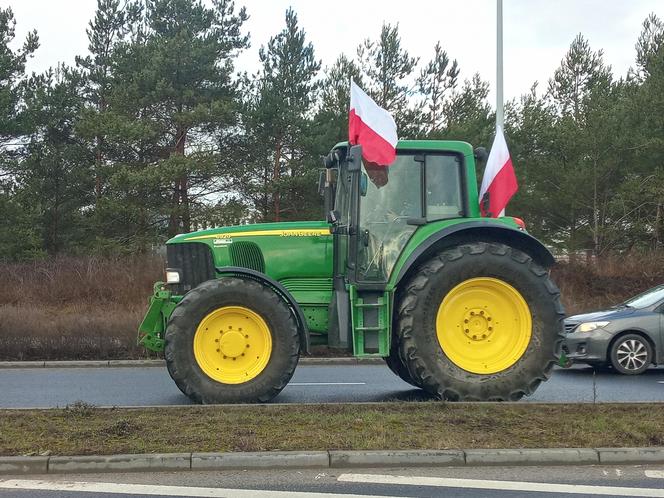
<point x="82" y="429"/>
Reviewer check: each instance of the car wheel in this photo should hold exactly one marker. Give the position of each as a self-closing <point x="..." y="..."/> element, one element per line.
<point x="631" y="354"/>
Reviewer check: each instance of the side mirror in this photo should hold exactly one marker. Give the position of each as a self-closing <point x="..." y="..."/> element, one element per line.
<point x="333" y="217"/>
<point x="480" y="154"/>
<point x="321" y="183"/>
<point x="364" y="184"/>
<point x="355" y="158"/>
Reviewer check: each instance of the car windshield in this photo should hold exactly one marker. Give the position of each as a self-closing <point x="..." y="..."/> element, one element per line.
<point x="648" y="298"/>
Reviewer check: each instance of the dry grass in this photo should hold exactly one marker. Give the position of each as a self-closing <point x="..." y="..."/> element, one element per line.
<point x="90" y="308"/>
<point x="80" y="281"/>
<point x="609" y="280"/>
<point x="430" y="425"/>
<point x="69" y="309"/>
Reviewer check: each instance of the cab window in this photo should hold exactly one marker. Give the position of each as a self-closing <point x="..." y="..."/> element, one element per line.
<point x="443" y="187"/>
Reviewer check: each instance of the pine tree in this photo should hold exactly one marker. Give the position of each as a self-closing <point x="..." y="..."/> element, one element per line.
<point x="332" y="116"/>
<point x="468" y="114"/>
<point x="12" y="77"/>
<point x="175" y="80"/>
<point x="649" y="44"/>
<point x="55" y="173"/>
<point x="280" y="122"/>
<point x="19" y="236"/>
<point x="387" y="70"/>
<point x="111" y="25"/>
<point x="437" y="79"/>
<point x="582" y="95"/>
<point x="580" y="71"/>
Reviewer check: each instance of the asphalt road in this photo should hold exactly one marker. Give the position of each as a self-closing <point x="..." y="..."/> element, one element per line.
<point x="128" y="386"/>
<point x="499" y="482"/>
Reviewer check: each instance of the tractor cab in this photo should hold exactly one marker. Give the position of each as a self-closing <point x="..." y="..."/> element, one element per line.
<point x="376" y="209"/>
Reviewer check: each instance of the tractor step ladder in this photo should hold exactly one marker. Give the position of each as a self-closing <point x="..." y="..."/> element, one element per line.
<point x="370" y="314"/>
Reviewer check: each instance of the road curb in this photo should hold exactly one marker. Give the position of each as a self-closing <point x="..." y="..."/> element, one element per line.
<point x="119" y="463"/>
<point x="526" y="456"/>
<point x="260" y="460"/>
<point x="631" y="455"/>
<point x="161" y="363"/>
<point x="339" y="459"/>
<point x="403" y="458"/>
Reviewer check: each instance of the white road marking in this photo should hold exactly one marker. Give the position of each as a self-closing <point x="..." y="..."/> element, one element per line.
<point x="540" y="487"/>
<point x="327" y="384"/>
<point x="152" y="490"/>
<point x="660" y="381"/>
<point x="655" y="474"/>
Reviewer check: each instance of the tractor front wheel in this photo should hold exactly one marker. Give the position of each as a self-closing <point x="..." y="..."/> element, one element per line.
<point x="480" y="322"/>
<point x="231" y="340"/>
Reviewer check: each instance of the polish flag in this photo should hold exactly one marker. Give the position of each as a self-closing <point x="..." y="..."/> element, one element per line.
<point x="499" y="181"/>
<point x="372" y="127"/>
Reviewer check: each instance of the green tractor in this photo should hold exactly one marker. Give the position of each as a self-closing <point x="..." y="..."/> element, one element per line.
<point x="403" y="268"/>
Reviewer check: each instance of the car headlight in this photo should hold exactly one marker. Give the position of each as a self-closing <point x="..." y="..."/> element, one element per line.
<point x="172" y="276"/>
<point x="590" y="326"/>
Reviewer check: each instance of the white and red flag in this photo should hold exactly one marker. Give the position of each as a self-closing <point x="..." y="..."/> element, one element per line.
<point x="372" y="127"/>
<point x="499" y="181"/>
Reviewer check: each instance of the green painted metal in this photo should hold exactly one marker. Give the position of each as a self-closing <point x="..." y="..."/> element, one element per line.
<point x="299" y="255"/>
<point x="371" y="334"/>
<point x="151" y="329"/>
<point x="290" y="250"/>
<point x="425" y="231"/>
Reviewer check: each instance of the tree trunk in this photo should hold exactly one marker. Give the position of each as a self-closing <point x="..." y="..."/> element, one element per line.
<point x="99" y="156"/>
<point x="98" y="159"/>
<point x="658" y="225"/>
<point x="595" y="211"/>
<point x="180" y="219"/>
<point x="275" y="180"/>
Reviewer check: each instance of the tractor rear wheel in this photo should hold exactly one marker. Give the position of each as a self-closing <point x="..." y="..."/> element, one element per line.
<point x="397" y="365"/>
<point x="231" y="340"/>
<point x="480" y="322"/>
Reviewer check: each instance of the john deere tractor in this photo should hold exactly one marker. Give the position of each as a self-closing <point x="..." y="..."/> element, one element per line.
<point x="403" y="268"/>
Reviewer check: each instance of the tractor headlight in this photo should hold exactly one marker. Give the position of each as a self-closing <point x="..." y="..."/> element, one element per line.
<point x="590" y="326"/>
<point x="172" y="276"/>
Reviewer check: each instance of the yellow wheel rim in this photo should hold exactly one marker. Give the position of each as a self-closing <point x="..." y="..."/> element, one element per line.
<point x="484" y="325"/>
<point x="232" y="344"/>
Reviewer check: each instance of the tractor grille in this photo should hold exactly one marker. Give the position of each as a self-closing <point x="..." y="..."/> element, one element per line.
<point x="247" y="255"/>
<point x="195" y="262"/>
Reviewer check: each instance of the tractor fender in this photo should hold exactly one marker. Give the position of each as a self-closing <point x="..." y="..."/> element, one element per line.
<point x="478" y="231"/>
<point x="282" y="292"/>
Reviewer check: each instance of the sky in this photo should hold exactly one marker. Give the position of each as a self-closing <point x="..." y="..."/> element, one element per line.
<point x="537" y="32"/>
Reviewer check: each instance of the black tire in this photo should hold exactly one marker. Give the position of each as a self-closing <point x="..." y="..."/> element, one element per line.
<point x="397" y="365"/>
<point x="420" y="299"/>
<point x="640" y="360"/>
<point x="197" y="304"/>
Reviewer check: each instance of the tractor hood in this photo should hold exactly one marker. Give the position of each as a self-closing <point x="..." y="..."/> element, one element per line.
<point x="282" y="229"/>
<point x="288" y="250"/>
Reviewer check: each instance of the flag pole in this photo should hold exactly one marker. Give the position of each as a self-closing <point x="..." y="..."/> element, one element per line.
<point x="499" y="65"/>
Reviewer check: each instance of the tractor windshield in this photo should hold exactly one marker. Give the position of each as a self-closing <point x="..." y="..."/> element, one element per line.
<point x="389" y="197"/>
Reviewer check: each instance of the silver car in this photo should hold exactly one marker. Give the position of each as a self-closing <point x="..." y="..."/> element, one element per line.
<point x="628" y="336"/>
